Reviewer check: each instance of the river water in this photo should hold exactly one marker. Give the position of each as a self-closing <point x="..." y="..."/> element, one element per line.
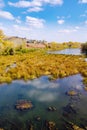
<point x="43" y="93"/>
<point x="76" y="51"/>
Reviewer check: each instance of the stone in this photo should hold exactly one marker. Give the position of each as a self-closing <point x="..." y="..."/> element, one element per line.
<point x="38" y="118"/>
<point x="23" y="105"/>
<point x="50" y="125"/>
<point x="72" y="93"/>
<point x="72" y="126"/>
<point x="52" y="108"/>
<point x="85" y="88"/>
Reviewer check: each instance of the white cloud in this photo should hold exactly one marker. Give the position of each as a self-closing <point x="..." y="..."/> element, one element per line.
<point x="67" y="30"/>
<point x="53" y="2"/>
<point x="18" y="20"/>
<point x="35" y="22"/>
<point x="49" y="33"/>
<point x="35" y="9"/>
<point x="17" y="27"/>
<point x="19" y="30"/>
<point x="25" y="4"/>
<point x="60" y="17"/>
<point x="63" y="17"/>
<point x="2" y="4"/>
<point x="33" y="3"/>
<point x="6" y="15"/>
<point x="2" y="26"/>
<point x="83" y="1"/>
<point x="61" y="21"/>
<point x="77" y="27"/>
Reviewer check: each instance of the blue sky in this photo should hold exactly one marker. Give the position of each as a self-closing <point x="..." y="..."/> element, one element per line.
<point x="51" y="20"/>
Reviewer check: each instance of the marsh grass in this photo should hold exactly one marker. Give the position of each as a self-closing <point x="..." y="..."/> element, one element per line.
<point x="37" y="63"/>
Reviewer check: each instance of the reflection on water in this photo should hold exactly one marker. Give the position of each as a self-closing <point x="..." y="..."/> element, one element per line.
<point x="42" y="90"/>
<point x="43" y="94"/>
<point x="67" y="51"/>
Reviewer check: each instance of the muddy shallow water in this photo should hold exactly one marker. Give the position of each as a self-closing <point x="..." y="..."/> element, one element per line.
<point x="43" y="93"/>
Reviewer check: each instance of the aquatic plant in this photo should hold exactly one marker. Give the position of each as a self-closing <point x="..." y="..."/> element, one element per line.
<point x="35" y="64"/>
<point x="72" y="93"/>
<point x="72" y="126"/>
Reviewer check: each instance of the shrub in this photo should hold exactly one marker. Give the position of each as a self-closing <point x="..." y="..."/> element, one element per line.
<point x="84" y="48"/>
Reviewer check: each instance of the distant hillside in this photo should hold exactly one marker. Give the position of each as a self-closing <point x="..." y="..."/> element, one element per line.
<point x="16" y="40"/>
<point x="29" y="43"/>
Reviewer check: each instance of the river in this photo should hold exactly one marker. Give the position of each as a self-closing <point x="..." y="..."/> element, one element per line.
<point x="44" y="94"/>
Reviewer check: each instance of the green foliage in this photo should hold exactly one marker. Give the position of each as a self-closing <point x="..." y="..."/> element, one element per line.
<point x="8" y="51"/>
<point x="7" y="48"/>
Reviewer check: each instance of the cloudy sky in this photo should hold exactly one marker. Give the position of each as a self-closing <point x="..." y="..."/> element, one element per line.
<point x="51" y="20"/>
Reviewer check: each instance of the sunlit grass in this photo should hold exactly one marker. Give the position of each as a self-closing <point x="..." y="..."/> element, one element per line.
<point x="38" y="63"/>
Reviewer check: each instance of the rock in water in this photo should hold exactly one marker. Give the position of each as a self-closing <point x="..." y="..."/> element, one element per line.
<point x="50" y="125"/>
<point x="72" y="93"/>
<point x="23" y="105"/>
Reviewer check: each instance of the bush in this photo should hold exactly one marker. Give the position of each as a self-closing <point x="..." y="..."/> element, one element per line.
<point x="8" y="51"/>
<point x="84" y="48"/>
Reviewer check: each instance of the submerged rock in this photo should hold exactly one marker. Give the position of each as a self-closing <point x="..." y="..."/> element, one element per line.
<point x="50" y="125"/>
<point x="69" y="111"/>
<point x="72" y="126"/>
<point x="52" y="108"/>
<point x="31" y="127"/>
<point x="85" y="88"/>
<point x="23" y="105"/>
<point x="86" y="127"/>
<point x="38" y="118"/>
<point x="72" y="93"/>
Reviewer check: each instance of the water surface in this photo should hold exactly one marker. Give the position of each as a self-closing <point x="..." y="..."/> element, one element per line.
<point x="43" y="93"/>
<point x="67" y="51"/>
